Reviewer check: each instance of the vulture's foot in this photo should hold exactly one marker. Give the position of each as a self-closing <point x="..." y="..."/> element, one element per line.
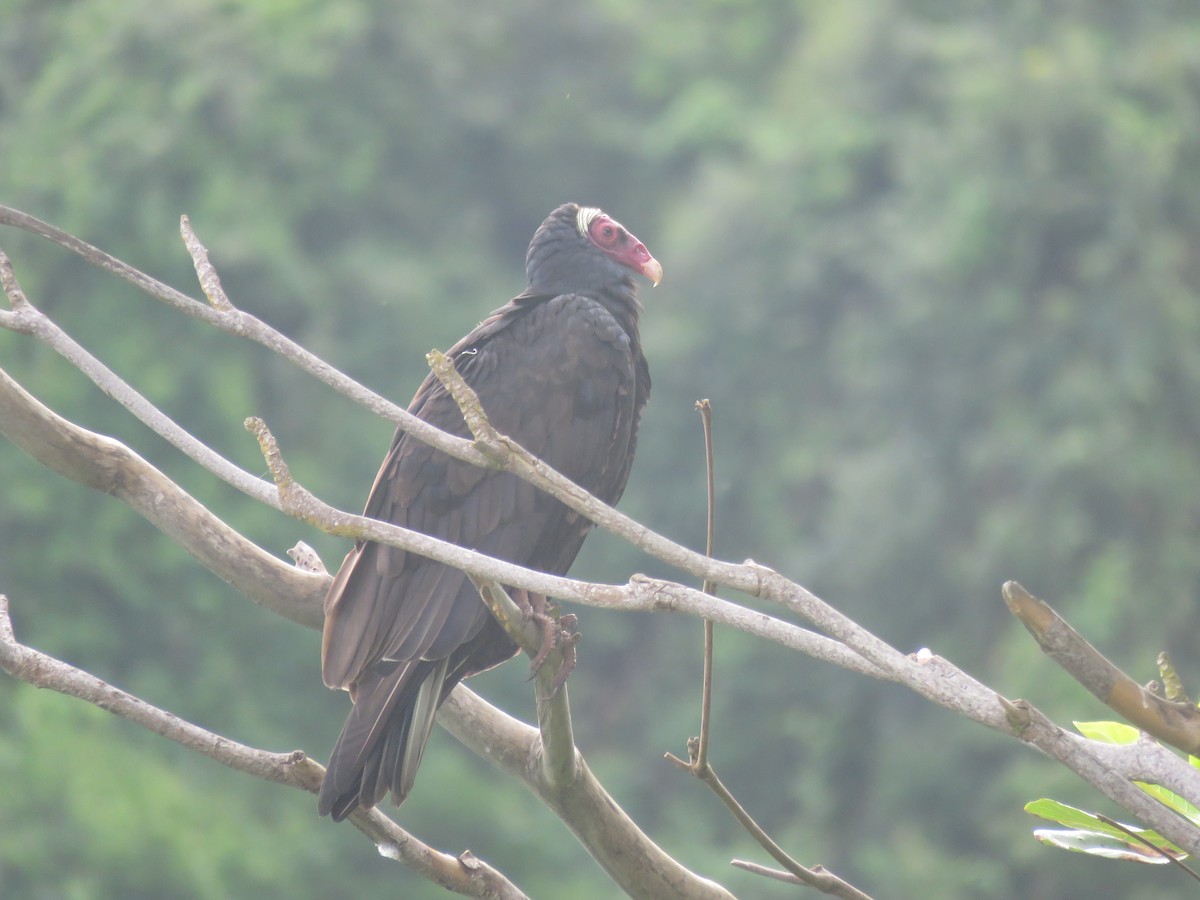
<point x="558" y="632"/>
<point x="568" y="637"/>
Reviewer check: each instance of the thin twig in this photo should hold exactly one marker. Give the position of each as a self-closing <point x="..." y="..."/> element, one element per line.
<point x="486" y="438"/>
<point x="819" y="877"/>
<point x="12" y="288"/>
<point x="699" y="764"/>
<point x="766" y="871"/>
<point x="1142" y="840"/>
<point x="206" y="273"/>
<point x="701" y="760"/>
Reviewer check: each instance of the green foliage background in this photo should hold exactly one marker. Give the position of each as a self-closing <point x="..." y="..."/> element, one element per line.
<point x="936" y="267"/>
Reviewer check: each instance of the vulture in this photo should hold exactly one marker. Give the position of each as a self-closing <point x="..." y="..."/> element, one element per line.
<point x="559" y="369"/>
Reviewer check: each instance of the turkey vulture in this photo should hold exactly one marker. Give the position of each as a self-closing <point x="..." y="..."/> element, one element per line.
<point x="559" y="369"/>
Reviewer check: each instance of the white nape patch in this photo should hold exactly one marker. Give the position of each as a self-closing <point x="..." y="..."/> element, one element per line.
<point x="388" y="850"/>
<point x="584" y="217"/>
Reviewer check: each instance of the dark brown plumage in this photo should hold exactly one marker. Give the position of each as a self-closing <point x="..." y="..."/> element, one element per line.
<point x="560" y="369"/>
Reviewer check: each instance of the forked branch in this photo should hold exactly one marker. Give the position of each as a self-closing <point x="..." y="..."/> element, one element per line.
<point x="698" y="763"/>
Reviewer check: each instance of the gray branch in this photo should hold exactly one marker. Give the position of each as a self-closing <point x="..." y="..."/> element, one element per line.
<point x="465" y="875"/>
<point x="633" y="861"/>
<point x="108" y="466"/>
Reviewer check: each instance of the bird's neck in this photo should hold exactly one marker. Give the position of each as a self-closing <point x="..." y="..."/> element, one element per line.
<point x="619" y="298"/>
<point x="622" y="301"/>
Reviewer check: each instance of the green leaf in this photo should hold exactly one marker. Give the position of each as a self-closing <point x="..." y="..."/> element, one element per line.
<point x="1081" y="820"/>
<point x="1096" y="844"/>
<point x="1108" y="732"/>
<point x="1171" y="799"/>
<point x="1054" y="811"/>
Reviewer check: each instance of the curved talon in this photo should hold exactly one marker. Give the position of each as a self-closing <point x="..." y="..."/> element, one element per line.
<point x="556" y="633"/>
<point x="550" y="639"/>
<point x="569" y="640"/>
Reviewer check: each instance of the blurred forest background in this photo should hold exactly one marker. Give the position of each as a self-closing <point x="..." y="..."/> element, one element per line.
<point x="937" y="267"/>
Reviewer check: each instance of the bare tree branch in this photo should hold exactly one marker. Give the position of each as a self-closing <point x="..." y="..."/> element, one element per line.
<point x="698" y="763"/>
<point x="817" y="877"/>
<point x="1149" y="761"/>
<point x="553" y="768"/>
<point x="1177" y="723"/>
<point x="110" y="467"/>
<point x="933" y="677"/>
<point x="557" y="750"/>
<point x="464" y="875"/>
<point x="206" y="274"/>
<point x="25" y="318"/>
<point x="630" y="858"/>
<point x="746" y="577"/>
<point x="28" y="320"/>
<point x="1086" y="758"/>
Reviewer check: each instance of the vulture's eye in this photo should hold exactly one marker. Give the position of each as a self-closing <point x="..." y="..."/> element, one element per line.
<point x="605" y="232"/>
